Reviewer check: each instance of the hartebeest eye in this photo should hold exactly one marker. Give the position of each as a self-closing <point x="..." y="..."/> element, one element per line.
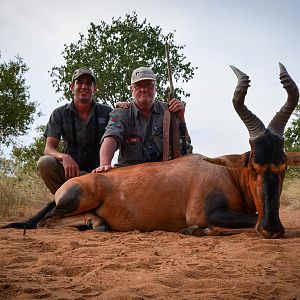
<point x="259" y="168"/>
<point x="278" y="169"/>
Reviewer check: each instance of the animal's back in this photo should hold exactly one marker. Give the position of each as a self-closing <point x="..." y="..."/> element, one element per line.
<point x="157" y="195"/>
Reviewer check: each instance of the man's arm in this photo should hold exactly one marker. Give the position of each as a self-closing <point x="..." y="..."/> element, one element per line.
<point x="178" y="107"/>
<point x="69" y="164"/>
<point x="107" y="151"/>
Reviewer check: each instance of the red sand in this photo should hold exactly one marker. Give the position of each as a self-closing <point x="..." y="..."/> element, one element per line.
<point x="69" y="264"/>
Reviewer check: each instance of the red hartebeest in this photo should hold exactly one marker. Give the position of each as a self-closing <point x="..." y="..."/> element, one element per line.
<point x="191" y="193"/>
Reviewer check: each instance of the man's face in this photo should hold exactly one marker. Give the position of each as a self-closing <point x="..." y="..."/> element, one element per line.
<point x="143" y="91"/>
<point x="83" y="88"/>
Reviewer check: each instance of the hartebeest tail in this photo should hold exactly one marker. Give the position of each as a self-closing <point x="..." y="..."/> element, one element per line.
<point x="194" y="193"/>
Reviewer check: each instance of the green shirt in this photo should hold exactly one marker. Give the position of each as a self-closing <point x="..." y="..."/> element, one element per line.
<point x="81" y="138"/>
<point x="139" y="140"/>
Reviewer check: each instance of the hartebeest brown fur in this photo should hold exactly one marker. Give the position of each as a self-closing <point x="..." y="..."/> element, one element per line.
<point x="191" y="193"/>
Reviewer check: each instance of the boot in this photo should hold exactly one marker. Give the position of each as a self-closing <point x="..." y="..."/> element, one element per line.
<point x="32" y="222"/>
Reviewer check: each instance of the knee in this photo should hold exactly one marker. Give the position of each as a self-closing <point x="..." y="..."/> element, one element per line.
<point x="46" y="163"/>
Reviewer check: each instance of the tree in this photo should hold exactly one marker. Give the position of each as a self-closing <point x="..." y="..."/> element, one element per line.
<point x="292" y="134"/>
<point x="25" y="157"/>
<point x="17" y="111"/>
<point x="114" y="51"/>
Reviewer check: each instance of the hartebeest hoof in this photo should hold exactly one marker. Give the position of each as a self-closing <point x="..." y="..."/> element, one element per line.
<point x="270" y="233"/>
<point x="200" y="231"/>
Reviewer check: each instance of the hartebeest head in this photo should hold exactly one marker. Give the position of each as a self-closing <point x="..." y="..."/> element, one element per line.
<point x="266" y="162"/>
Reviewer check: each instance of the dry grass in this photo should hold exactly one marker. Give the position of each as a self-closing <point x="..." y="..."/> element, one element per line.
<point x="20" y="198"/>
<point x="290" y="196"/>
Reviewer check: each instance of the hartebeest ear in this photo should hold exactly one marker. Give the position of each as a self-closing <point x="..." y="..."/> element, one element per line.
<point x="293" y="159"/>
<point x="229" y="161"/>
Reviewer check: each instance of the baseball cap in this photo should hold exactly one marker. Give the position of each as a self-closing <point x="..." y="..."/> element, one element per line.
<point x="142" y="73"/>
<point x="82" y="71"/>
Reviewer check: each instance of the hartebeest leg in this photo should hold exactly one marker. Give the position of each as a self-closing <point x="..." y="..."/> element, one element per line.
<point x="199" y="231"/>
<point x="33" y="221"/>
<point x="89" y="219"/>
<point x="219" y="213"/>
<point x="212" y="231"/>
<point x="231" y="219"/>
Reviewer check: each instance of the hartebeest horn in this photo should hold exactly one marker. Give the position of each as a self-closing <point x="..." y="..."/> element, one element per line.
<point x="279" y="121"/>
<point x="254" y="125"/>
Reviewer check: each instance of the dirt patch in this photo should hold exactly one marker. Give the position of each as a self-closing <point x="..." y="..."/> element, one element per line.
<point x="69" y="264"/>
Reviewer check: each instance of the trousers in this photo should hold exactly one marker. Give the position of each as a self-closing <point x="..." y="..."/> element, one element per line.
<point x="52" y="172"/>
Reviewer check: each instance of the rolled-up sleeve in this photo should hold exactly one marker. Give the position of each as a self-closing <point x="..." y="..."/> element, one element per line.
<point x="117" y="124"/>
<point x="54" y="125"/>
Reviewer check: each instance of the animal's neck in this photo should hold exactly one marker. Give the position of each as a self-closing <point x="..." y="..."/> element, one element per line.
<point x="243" y="179"/>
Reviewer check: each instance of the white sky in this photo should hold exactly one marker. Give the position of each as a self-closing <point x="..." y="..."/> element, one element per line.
<point x="251" y="35"/>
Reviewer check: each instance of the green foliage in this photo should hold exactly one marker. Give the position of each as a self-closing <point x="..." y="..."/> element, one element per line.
<point x="17" y="112"/>
<point x="292" y="134"/>
<point x="114" y="51"/>
<point x="292" y="141"/>
<point x="25" y="158"/>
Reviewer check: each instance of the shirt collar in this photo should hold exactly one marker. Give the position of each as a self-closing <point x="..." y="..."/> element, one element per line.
<point x="72" y="107"/>
<point x="137" y="112"/>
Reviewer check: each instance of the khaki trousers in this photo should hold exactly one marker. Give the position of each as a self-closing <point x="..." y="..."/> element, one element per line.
<point x="52" y="172"/>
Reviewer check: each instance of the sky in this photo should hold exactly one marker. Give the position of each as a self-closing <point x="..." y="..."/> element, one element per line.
<point x="251" y="35"/>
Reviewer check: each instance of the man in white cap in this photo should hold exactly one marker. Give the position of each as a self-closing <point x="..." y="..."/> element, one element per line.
<point x="137" y="131"/>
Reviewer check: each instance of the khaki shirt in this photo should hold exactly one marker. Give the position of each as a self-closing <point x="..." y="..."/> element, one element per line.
<point x="139" y="140"/>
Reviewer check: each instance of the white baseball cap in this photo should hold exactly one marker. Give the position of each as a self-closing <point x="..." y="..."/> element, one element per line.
<point x="142" y="73"/>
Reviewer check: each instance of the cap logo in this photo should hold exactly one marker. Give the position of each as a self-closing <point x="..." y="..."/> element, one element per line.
<point x="142" y="73"/>
<point x="83" y="71"/>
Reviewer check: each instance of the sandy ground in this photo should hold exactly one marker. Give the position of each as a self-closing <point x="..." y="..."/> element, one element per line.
<point x="71" y="264"/>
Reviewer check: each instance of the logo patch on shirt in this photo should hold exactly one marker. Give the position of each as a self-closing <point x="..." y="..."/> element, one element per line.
<point x="101" y="120"/>
<point x="112" y="122"/>
<point x="133" y="139"/>
<point x="157" y="129"/>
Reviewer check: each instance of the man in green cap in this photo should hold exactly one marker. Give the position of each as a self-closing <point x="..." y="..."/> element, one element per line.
<point x="81" y="125"/>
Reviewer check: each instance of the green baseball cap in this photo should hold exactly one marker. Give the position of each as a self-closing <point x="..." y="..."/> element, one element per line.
<point x="82" y="71"/>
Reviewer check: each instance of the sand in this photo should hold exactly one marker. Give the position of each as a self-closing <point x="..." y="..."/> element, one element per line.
<point x="72" y="264"/>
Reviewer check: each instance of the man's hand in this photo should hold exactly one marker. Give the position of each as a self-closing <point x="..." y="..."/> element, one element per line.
<point x="177" y="107"/>
<point x="70" y="166"/>
<point x="107" y="150"/>
<point x="103" y="169"/>
<point x="122" y="104"/>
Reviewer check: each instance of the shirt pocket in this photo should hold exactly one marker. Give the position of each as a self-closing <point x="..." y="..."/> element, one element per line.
<point x="157" y="137"/>
<point x="132" y="151"/>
